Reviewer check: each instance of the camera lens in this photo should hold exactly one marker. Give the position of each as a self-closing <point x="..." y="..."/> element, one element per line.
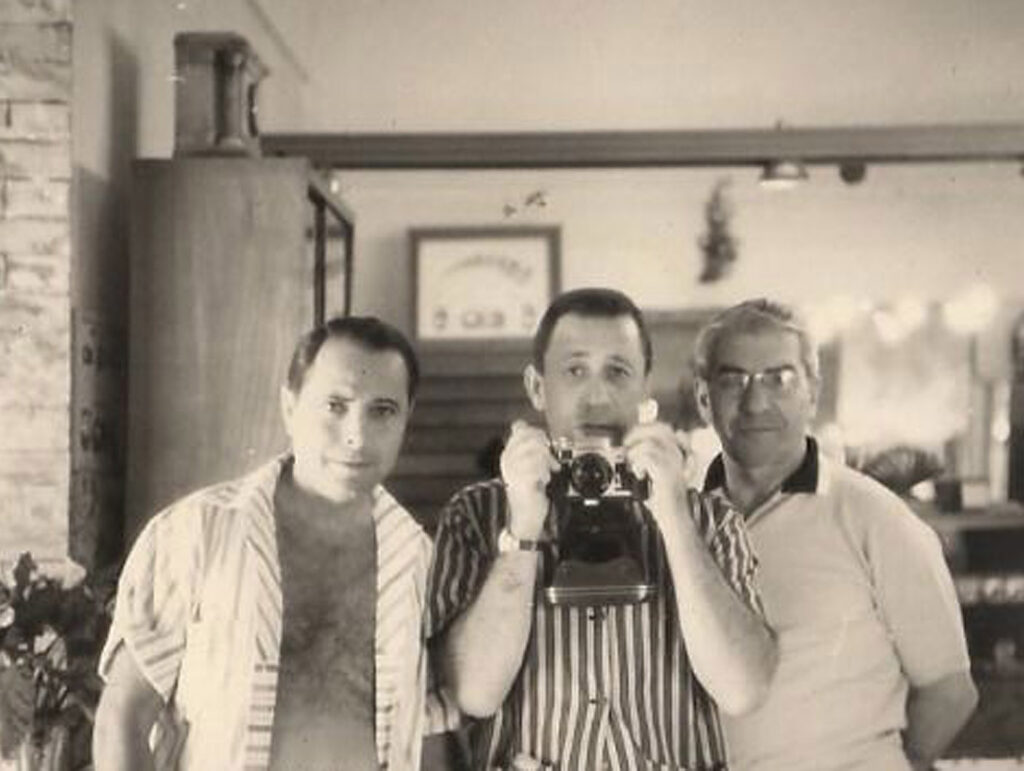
<point x="591" y="474"/>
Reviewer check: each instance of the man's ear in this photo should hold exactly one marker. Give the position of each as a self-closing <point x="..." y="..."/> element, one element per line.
<point x="703" y="395"/>
<point x="408" y="422"/>
<point x="287" y="408"/>
<point x="534" y="383"/>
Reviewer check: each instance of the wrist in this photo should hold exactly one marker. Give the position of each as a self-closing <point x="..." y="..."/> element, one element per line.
<point x="526" y="515"/>
<point x="509" y="542"/>
<point x="673" y="515"/>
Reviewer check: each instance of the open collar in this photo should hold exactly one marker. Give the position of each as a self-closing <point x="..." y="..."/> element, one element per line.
<point x="807" y="478"/>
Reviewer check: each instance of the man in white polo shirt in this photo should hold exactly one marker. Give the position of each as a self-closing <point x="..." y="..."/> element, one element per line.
<point x="873" y="672"/>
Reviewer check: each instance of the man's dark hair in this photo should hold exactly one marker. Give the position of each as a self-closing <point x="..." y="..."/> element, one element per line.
<point x="594" y="302"/>
<point x="368" y="332"/>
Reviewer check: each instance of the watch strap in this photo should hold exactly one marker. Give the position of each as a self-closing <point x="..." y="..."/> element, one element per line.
<point x="508" y="542"/>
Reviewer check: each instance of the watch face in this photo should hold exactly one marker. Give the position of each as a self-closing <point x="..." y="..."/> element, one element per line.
<point x="508" y="542"/>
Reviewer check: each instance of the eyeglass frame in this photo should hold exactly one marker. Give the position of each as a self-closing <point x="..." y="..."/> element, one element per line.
<point x="741" y="387"/>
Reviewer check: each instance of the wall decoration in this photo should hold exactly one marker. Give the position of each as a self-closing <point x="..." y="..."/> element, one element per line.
<point x="718" y="246"/>
<point x="482" y="283"/>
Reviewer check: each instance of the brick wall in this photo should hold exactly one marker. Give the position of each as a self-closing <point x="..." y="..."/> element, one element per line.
<point x="35" y="259"/>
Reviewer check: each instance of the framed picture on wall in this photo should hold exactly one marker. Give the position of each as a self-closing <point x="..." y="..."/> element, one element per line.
<point x="475" y="284"/>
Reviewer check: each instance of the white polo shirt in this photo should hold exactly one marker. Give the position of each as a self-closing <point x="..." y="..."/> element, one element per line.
<point x="857" y="590"/>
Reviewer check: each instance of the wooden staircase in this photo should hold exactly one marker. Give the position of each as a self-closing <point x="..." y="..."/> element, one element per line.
<point x="466" y="400"/>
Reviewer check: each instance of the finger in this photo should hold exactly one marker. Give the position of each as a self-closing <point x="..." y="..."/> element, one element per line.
<point x="643" y="431"/>
<point x="517" y="425"/>
<point x="525" y="445"/>
<point x="660" y="441"/>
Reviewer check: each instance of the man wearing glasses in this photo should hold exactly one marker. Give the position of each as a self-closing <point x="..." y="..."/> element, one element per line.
<point x="873" y="671"/>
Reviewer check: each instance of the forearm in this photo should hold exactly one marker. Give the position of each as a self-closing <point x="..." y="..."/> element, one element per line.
<point x="732" y="650"/>
<point x="120" y="741"/>
<point x="128" y="708"/>
<point x="935" y="714"/>
<point x="483" y="651"/>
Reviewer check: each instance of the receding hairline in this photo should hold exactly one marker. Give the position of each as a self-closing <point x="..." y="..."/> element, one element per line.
<point x="753" y="317"/>
<point x="590" y="302"/>
<point x="369" y="350"/>
<point x="368" y="333"/>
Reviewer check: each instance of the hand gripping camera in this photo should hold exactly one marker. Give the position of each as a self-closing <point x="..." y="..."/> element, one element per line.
<point x="593" y="470"/>
<point x="604" y="532"/>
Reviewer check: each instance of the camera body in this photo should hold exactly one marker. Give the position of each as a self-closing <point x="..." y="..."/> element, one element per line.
<point x="592" y="470"/>
<point x="603" y="530"/>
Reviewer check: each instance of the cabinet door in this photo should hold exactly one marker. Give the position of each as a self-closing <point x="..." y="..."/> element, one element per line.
<point x="221" y="287"/>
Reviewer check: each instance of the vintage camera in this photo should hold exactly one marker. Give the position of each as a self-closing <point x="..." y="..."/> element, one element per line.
<point x="604" y="533"/>
<point x="593" y="469"/>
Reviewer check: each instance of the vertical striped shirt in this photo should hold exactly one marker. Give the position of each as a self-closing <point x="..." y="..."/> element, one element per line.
<point x="600" y="687"/>
<point x="199" y="609"/>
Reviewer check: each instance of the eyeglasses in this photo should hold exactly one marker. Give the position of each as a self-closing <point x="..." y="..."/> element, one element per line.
<point x="777" y="381"/>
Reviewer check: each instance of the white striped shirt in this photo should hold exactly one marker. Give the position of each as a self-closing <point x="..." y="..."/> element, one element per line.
<point x="199" y="608"/>
<point x="601" y="687"/>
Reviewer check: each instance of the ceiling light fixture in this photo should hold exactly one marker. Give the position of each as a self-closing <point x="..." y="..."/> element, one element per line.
<point x="783" y="174"/>
<point x="853" y="172"/>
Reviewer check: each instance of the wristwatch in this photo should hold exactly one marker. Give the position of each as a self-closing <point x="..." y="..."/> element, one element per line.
<point x="508" y="542"/>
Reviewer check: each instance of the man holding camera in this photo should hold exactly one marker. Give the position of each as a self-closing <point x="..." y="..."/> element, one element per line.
<point x="593" y="685"/>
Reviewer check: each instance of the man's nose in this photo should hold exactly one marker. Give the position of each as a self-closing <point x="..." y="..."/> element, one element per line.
<point x="597" y="393"/>
<point x="755" y="397"/>
<point x="353" y="430"/>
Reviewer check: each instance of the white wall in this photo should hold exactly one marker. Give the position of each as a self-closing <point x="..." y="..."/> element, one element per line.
<point x="492" y="65"/>
<point x="448" y="65"/>
<point x="925" y="232"/>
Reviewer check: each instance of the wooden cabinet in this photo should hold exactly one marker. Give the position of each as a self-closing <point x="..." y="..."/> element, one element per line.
<point x="224" y="278"/>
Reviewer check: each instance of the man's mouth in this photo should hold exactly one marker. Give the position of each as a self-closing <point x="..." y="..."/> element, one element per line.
<point x="757" y="428"/>
<point x="351" y="463"/>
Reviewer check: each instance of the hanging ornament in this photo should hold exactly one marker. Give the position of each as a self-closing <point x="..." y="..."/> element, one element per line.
<point x="718" y="246"/>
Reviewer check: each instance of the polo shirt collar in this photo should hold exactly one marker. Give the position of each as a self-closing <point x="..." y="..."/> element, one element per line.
<point x="807" y="478"/>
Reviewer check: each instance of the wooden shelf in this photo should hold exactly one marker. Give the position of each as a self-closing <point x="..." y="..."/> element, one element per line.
<point x="995" y="517"/>
<point x="655" y="149"/>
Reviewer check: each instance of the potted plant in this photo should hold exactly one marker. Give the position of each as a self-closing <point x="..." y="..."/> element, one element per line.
<point x="50" y="639"/>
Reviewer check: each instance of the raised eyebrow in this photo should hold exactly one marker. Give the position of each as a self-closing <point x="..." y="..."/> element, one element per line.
<point x="729" y="368"/>
<point x="621" y="362"/>
<point x="573" y="358"/>
<point x="576" y="355"/>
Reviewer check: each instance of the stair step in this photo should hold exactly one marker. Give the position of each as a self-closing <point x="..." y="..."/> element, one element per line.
<point x="469" y="414"/>
<point x="441" y="388"/>
<point x="466" y="439"/>
<point x="430" y="463"/>
<point x="496" y="359"/>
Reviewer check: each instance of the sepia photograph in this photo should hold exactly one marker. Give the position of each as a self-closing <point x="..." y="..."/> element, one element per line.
<point x="577" y="385"/>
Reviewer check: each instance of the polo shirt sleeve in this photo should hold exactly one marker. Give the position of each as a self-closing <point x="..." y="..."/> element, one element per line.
<point x="151" y="611"/>
<point x="725" y="533"/>
<point x="462" y="556"/>
<point x="916" y="596"/>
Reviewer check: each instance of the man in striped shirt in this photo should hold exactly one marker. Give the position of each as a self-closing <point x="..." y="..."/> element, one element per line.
<point x="275" y="622"/>
<point x="630" y="686"/>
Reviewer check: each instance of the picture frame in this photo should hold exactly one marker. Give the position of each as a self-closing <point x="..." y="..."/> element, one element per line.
<point x="481" y="284"/>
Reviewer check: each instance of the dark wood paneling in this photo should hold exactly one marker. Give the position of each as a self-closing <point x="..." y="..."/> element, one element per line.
<point x="221" y="288"/>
